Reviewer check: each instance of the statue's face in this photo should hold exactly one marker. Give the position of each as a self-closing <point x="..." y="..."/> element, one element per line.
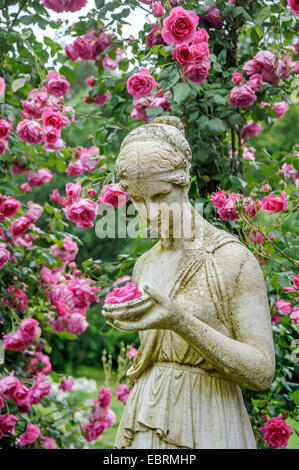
<point x="159" y="203"/>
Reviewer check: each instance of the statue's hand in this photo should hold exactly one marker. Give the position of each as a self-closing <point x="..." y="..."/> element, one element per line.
<point x="166" y="318"/>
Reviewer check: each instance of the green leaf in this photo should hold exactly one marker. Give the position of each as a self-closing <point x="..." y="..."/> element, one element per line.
<point x="68" y="73"/>
<point x="216" y="126"/>
<point x="18" y="83"/>
<point x="181" y="92"/>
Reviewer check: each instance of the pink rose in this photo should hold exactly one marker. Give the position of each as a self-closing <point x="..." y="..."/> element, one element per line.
<point x="272" y="203"/>
<point x="71" y="53"/>
<point x="296" y="281"/>
<point x="180" y="26"/>
<point x="4" y="129"/>
<point x="123" y="294"/>
<point x="8" y="422"/>
<point x="92" y="192"/>
<point x="73" y="190"/>
<point x="75" y="168"/>
<point x="57" y="86"/>
<point x="20" y="394"/>
<point x="242" y="96"/>
<point x="49" y="443"/>
<point x="82" y="212"/>
<point x="35" y="211"/>
<point x="4" y="257"/>
<point x="281" y="108"/>
<point x="20" y="226"/>
<point x="17" y="300"/>
<point x="94" y="430"/>
<point x="55" y="196"/>
<point x="76" y="324"/>
<point x="25" y="187"/>
<point x="2" y="85"/>
<point x="294" y="6"/>
<point x="109" y="418"/>
<point x="39" y="390"/>
<point x="8" y="384"/>
<point x="276" y="432"/>
<point x="99" y="44"/>
<point x="52" y="119"/>
<point x="30" y="132"/>
<point x="122" y="393"/>
<point x="201" y="36"/>
<point x="37" y="178"/>
<point x="132" y="353"/>
<point x="251" y="129"/>
<point x="69" y="250"/>
<point x="228" y="210"/>
<point x="113" y="195"/>
<point x="31" y="434"/>
<point x="237" y="78"/>
<point x="255" y="81"/>
<point x="199" y="51"/>
<point x="105" y="397"/>
<point x="219" y="198"/>
<point x="157" y="9"/>
<point x="14" y="341"/>
<point x="82" y="48"/>
<point x="9" y="206"/>
<point x="295" y="315"/>
<point x="197" y="72"/>
<point x="284" y="306"/>
<point x="113" y="64"/>
<point x="141" y="83"/>
<point x="121" y="279"/>
<point x="3" y="146"/>
<point x="66" y="384"/>
<point x="213" y="18"/>
<point x="154" y="38"/>
<point x="51" y="134"/>
<point x="29" y="330"/>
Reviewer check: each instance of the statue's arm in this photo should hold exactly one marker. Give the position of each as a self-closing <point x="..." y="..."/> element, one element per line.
<point x="248" y="358"/>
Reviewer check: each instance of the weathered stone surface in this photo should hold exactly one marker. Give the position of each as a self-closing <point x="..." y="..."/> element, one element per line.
<point x="204" y="320"/>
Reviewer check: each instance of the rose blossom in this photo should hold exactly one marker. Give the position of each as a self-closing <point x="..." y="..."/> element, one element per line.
<point x="73" y="190"/>
<point x="201" y="36"/>
<point x="141" y="83"/>
<point x="157" y="9"/>
<point x="66" y="384"/>
<point x="30" y="132"/>
<point x="294" y="6"/>
<point x="94" y="430"/>
<point x="9" y="206"/>
<point x="183" y="54"/>
<point x="237" y="78"/>
<point x="31" y="434"/>
<point x="82" y="48"/>
<point x="14" y="341"/>
<point x="123" y="294"/>
<point x="242" y="96"/>
<point x="122" y="393"/>
<point x="49" y="443"/>
<point x="4" y="256"/>
<point x="3" y="146"/>
<point x="284" y="306"/>
<point x="20" y="226"/>
<point x="251" y="129"/>
<point x="57" y="86"/>
<point x="82" y="212"/>
<point x="228" y="210"/>
<point x="197" y="72"/>
<point x="76" y="324"/>
<point x="105" y="397"/>
<point x="75" y="168"/>
<point x="276" y="432"/>
<point x="295" y="315"/>
<point x="256" y="81"/>
<point x="71" y="53"/>
<point x="8" y="422"/>
<point x="30" y="330"/>
<point x="132" y="353"/>
<point x="180" y="26"/>
<point x="272" y="203"/>
<point x="112" y="195"/>
<point x="52" y="119"/>
<point x="213" y="17"/>
<point x="219" y="198"/>
<point x="4" y="129"/>
<point x="25" y="187"/>
<point x="281" y="108"/>
<point x="37" y="178"/>
<point x="154" y="38"/>
<point x="69" y="250"/>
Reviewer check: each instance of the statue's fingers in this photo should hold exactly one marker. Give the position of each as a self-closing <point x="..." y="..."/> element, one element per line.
<point x="158" y="298"/>
<point x="114" y="326"/>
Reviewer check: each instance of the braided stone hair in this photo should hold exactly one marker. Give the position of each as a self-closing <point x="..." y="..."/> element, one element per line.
<point x="155" y="148"/>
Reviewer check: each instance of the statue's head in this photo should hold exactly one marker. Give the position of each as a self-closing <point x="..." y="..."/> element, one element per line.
<point x="153" y="165"/>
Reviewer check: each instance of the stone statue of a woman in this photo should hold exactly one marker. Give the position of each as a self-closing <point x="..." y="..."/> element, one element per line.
<point x="204" y="320"/>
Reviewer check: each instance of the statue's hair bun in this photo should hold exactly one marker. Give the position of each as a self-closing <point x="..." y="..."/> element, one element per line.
<point x="170" y="121"/>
